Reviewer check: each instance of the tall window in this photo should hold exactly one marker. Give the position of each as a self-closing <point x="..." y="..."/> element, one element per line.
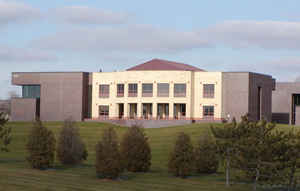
<point x="120" y="90"/>
<point x="208" y="111"/>
<point x="103" y="110"/>
<point x="104" y="91"/>
<point x="162" y="90"/>
<point x="147" y="90"/>
<point x="179" y="90"/>
<point x="132" y="90"/>
<point x="31" y="91"/>
<point x="209" y="90"/>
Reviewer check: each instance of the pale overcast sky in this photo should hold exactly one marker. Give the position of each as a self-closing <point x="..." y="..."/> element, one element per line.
<point x="86" y="35"/>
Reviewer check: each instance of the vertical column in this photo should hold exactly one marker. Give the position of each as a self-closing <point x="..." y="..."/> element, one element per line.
<point x="188" y="111"/>
<point x="126" y="110"/>
<point x="154" y="110"/>
<point x="139" y="110"/>
<point x="171" y="110"/>
<point x="125" y="90"/>
<point x="139" y="89"/>
<point x="154" y="89"/>
<point x="171" y="90"/>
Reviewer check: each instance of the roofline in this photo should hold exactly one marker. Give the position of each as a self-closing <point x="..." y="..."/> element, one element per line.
<point x="249" y="73"/>
<point x="45" y="72"/>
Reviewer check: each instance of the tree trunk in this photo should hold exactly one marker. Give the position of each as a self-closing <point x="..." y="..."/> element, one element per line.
<point x="256" y="179"/>
<point x="227" y="172"/>
<point x="292" y="176"/>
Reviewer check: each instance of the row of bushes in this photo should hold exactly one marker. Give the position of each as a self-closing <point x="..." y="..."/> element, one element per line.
<point x="41" y="146"/>
<point x="132" y="154"/>
<point x="185" y="159"/>
<point x="112" y="158"/>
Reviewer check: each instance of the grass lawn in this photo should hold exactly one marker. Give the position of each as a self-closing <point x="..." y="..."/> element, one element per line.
<point x="15" y="174"/>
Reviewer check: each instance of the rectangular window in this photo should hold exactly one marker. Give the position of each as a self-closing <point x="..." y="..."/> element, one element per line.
<point x="104" y="91"/>
<point x="208" y="111"/>
<point x="132" y="90"/>
<point x="179" y="90"/>
<point x="120" y="90"/>
<point x="103" y="110"/>
<point x="31" y="91"/>
<point x="163" y="90"/>
<point x="147" y="90"/>
<point x="209" y="90"/>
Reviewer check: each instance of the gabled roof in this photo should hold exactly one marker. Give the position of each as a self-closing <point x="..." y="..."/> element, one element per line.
<point x="158" y="64"/>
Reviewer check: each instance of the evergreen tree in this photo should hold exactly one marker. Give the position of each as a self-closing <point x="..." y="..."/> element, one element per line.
<point x="206" y="156"/>
<point x="108" y="157"/>
<point x="225" y="140"/>
<point x="5" y="133"/>
<point x="40" y="146"/>
<point x="181" y="161"/>
<point x="70" y="147"/>
<point x="135" y="150"/>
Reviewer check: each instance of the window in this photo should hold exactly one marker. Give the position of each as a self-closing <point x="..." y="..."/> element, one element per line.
<point x="208" y="111"/>
<point x="147" y="90"/>
<point x="162" y="90"/>
<point x="103" y="110"/>
<point x="132" y="90"/>
<point x="179" y="90"/>
<point x="209" y="90"/>
<point x="120" y="90"/>
<point x="104" y="91"/>
<point x="31" y="91"/>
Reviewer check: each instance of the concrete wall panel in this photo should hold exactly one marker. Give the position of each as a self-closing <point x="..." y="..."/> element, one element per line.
<point x="23" y="109"/>
<point x="235" y="94"/>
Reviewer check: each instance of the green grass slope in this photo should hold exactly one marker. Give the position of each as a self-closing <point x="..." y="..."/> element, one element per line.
<point x="15" y="174"/>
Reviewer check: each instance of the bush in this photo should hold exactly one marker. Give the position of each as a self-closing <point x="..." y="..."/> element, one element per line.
<point x="5" y="132"/>
<point x="40" y="146"/>
<point x="135" y="150"/>
<point x="206" y="155"/>
<point x="108" y="158"/>
<point x="70" y="147"/>
<point x="181" y="160"/>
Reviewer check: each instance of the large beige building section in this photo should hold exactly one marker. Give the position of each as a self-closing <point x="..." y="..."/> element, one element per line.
<point x="193" y="100"/>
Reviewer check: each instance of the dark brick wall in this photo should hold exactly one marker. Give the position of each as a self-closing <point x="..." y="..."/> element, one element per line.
<point x="266" y="84"/>
<point x="23" y="109"/>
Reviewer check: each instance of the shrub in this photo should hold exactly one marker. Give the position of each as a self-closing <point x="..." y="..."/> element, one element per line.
<point x="70" y="147"/>
<point x="135" y="150"/>
<point x="5" y="133"/>
<point x="40" y="146"/>
<point x="181" y="161"/>
<point x="206" y="155"/>
<point x="108" y="158"/>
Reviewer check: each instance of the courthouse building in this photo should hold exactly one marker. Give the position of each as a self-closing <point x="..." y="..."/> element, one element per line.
<point x="157" y="90"/>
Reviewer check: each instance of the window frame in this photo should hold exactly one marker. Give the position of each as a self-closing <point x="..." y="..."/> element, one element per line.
<point x="147" y="93"/>
<point x="105" y="112"/>
<point x="132" y="92"/>
<point x="104" y="94"/>
<point x="163" y="93"/>
<point x="120" y="93"/>
<point x="180" y="94"/>
<point x="209" y="90"/>
<point x="210" y="113"/>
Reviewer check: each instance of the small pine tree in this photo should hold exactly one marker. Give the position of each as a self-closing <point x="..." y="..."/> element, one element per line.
<point x="206" y="155"/>
<point x="70" y="147"/>
<point x="40" y="146"/>
<point x="181" y="162"/>
<point x="135" y="150"/>
<point x="5" y="133"/>
<point x="108" y="157"/>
